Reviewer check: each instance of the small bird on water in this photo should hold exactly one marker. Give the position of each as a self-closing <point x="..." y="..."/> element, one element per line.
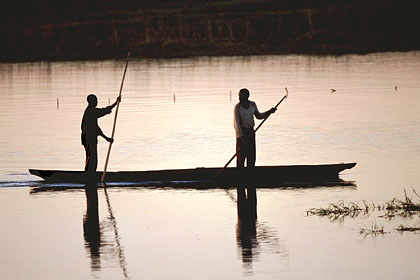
<point x="396" y="89"/>
<point x="332" y="90"/>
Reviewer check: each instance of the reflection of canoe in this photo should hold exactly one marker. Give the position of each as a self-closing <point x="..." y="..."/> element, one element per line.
<point x="261" y="175"/>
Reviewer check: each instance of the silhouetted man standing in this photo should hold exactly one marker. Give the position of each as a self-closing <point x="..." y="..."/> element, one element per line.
<point x="91" y="131"/>
<point x="244" y="113"/>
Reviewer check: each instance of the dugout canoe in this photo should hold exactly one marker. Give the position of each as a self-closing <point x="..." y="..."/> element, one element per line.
<point x="260" y="175"/>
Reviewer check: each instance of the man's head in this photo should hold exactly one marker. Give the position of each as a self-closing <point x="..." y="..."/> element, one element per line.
<point x="243" y="94"/>
<point x="92" y="100"/>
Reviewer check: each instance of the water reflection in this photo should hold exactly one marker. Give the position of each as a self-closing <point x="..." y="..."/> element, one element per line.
<point x="254" y="237"/>
<point x="120" y="251"/>
<point x="95" y="233"/>
<point x="246" y="228"/>
<point x="91" y="227"/>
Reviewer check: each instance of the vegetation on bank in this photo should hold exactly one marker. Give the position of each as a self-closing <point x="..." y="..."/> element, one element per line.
<point x="94" y="29"/>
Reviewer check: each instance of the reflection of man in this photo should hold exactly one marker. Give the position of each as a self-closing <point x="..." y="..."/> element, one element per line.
<point x="246" y="228"/>
<point x="91" y="226"/>
<point x="91" y="130"/>
<point x="244" y="113"/>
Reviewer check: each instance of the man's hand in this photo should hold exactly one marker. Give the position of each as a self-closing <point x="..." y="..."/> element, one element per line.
<point x="110" y="140"/>
<point x="115" y="103"/>
<point x="272" y="110"/>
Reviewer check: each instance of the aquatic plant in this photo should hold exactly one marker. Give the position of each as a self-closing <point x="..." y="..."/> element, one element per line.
<point x="402" y="228"/>
<point x="338" y="211"/>
<point x="403" y="208"/>
<point x="406" y="207"/>
<point x="374" y="230"/>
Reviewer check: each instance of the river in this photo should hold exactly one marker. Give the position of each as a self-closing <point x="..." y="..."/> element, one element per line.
<point x="177" y="113"/>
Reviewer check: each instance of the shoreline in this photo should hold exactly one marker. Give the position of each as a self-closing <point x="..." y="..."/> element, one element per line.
<point x="123" y="56"/>
<point x="181" y="29"/>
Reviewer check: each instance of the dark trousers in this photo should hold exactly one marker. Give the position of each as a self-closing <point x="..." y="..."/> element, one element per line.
<point x="246" y="150"/>
<point x="91" y="148"/>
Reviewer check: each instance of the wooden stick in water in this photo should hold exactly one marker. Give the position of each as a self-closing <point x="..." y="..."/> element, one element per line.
<point x="121" y="255"/>
<point x="115" y="120"/>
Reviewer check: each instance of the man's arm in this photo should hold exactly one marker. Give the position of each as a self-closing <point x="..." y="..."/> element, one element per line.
<point x="263" y="115"/>
<point x="237" y="122"/>
<point x="100" y="133"/>
<point x="107" y="110"/>
<point x="115" y="103"/>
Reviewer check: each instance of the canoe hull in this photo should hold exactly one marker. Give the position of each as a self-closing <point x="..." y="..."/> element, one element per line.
<point x="264" y="175"/>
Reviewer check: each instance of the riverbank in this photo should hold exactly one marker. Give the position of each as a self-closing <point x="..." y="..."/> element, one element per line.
<point x="184" y="29"/>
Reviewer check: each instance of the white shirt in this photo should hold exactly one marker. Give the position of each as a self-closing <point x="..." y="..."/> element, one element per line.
<point x="243" y="117"/>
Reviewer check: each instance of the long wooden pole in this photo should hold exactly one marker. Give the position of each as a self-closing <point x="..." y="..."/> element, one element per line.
<point x="237" y="152"/>
<point x="121" y="255"/>
<point x="115" y="120"/>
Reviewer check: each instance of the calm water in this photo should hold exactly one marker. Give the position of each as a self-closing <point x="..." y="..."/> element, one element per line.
<point x="178" y="114"/>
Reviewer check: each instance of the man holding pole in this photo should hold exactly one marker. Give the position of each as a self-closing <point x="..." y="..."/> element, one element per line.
<point x="91" y="130"/>
<point x="243" y="122"/>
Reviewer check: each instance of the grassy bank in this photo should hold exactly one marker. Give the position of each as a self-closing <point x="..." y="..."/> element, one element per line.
<point x="45" y="30"/>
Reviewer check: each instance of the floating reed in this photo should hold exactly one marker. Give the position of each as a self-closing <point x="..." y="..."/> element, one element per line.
<point x="374" y="230"/>
<point x="338" y="211"/>
<point x="406" y="207"/>
<point x="403" y="228"/>
<point x="403" y="208"/>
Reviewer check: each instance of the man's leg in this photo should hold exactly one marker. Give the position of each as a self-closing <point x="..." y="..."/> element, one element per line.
<point x="91" y="157"/>
<point x="240" y="157"/>
<point x="94" y="158"/>
<point x="251" y="149"/>
<point x="87" y="161"/>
